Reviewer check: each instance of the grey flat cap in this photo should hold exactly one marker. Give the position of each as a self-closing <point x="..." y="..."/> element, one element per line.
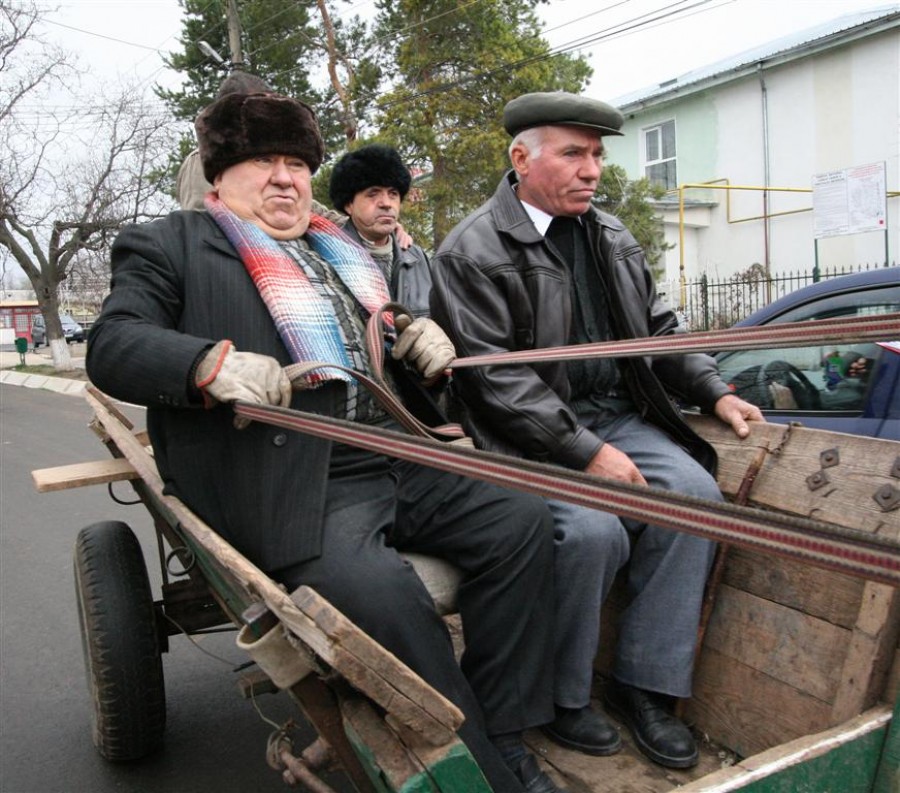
<point x="558" y="108"/>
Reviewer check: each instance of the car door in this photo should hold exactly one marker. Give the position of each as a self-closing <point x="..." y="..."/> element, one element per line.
<point x="851" y="388"/>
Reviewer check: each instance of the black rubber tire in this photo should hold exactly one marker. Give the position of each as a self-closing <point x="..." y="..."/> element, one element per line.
<point x="119" y="637"/>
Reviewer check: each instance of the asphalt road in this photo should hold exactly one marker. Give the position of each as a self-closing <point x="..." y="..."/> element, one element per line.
<point x="215" y="740"/>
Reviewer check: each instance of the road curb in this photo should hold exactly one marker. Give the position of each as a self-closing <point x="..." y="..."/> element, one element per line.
<point x="60" y="385"/>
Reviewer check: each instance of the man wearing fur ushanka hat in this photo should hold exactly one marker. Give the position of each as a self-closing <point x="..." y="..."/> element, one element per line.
<point x="369" y="184"/>
<point x="207" y="308"/>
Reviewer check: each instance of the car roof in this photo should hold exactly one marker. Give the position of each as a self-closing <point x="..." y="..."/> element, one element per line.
<point x="867" y="279"/>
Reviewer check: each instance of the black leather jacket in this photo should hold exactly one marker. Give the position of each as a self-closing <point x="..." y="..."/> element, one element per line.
<point x="498" y="286"/>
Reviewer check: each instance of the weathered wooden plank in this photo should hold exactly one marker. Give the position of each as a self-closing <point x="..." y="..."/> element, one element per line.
<point x="450" y="767"/>
<point x="747" y="710"/>
<point x="439" y="718"/>
<point x="389" y="766"/>
<point x="802" y="651"/>
<point x="842" y="758"/>
<point x="831" y="596"/>
<point x="65" y="477"/>
<point x="393" y="695"/>
<point x="870" y="652"/>
<point x="851" y="471"/>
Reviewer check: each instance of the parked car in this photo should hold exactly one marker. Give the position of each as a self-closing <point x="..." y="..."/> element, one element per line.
<point x="851" y="388"/>
<point x="72" y="330"/>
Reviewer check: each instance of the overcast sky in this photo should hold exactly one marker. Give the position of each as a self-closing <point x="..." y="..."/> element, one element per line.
<point x="126" y="37"/>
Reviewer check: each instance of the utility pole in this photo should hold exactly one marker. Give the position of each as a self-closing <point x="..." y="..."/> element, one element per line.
<point x="234" y="34"/>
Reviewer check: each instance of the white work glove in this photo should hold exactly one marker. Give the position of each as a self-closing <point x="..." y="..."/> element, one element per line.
<point x="423" y="344"/>
<point x="226" y="375"/>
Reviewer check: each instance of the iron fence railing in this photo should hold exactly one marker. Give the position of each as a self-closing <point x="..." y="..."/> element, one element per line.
<point x="715" y="305"/>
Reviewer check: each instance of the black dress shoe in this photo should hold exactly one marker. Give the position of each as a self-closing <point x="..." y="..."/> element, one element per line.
<point x="533" y="779"/>
<point x="583" y="730"/>
<point x="658" y="734"/>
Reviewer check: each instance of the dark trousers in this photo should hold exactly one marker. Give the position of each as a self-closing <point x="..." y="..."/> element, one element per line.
<point x="503" y="543"/>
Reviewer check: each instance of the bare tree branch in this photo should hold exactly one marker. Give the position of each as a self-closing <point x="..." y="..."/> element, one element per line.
<point x="68" y="182"/>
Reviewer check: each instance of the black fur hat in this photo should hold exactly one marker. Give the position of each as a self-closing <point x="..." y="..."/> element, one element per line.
<point x="238" y="127"/>
<point x="367" y="166"/>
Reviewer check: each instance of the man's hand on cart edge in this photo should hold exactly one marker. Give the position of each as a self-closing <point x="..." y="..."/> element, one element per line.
<point x="226" y="375"/>
<point x="422" y="343"/>
<point x="736" y="412"/>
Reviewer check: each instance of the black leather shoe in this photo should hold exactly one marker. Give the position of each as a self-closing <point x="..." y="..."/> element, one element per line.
<point x="658" y="734"/>
<point x="583" y="730"/>
<point x="533" y="779"/>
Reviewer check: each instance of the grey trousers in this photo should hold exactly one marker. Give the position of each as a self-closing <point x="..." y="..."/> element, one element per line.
<point x="666" y="574"/>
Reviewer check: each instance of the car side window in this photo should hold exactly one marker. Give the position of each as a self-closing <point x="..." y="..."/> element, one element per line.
<point x="824" y="378"/>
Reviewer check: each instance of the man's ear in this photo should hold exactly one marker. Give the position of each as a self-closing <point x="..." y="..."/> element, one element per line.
<point x="518" y="156"/>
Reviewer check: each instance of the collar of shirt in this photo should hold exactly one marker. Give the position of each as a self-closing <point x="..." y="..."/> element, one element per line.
<point x="540" y="218"/>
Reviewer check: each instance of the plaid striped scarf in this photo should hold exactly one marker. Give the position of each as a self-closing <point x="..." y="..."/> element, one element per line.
<point x="305" y="320"/>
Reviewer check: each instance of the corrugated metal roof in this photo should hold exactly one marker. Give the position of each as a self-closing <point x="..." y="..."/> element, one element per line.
<point x="778" y="48"/>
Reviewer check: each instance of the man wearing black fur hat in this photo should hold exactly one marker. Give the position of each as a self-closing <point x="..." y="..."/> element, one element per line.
<point x="539" y="266"/>
<point x="368" y="185"/>
<point x="207" y="308"/>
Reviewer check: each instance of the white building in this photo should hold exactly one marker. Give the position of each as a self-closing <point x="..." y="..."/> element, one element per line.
<point x="822" y="100"/>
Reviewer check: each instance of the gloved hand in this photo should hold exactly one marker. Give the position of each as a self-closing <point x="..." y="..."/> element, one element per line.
<point x="423" y="344"/>
<point x="226" y="375"/>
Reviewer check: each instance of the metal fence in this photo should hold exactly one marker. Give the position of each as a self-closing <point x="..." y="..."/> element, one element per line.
<point x="709" y="305"/>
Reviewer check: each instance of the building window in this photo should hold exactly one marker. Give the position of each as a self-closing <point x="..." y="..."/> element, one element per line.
<point x="659" y="155"/>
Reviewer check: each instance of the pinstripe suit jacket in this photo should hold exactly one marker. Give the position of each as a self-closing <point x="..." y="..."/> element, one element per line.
<point x="178" y="287"/>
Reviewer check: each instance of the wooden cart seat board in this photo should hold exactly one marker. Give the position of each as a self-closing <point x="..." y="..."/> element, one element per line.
<point x="791" y="651"/>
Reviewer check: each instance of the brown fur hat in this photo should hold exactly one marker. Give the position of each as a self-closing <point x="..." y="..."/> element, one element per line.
<point x="238" y="127"/>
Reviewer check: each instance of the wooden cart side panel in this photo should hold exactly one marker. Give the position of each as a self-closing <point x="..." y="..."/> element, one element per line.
<point x="747" y="710"/>
<point x="830" y="596"/>
<point x="829" y="476"/>
<point x="843" y="758"/>
<point x="801" y="651"/>
<point x="400" y="691"/>
<point x="870" y="652"/>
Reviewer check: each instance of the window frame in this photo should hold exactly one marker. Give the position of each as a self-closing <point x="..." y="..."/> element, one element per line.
<point x="647" y="163"/>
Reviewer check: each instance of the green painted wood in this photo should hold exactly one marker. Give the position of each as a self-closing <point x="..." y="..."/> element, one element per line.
<point x="887" y="780"/>
<point x="457" y="772"/>
<point x="450" y="769"/>
<point x="849" y="768"/>
<point x="369" y="763"/>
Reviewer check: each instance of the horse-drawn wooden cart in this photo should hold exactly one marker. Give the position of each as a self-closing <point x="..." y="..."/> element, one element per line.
<point x="795" y="686"/>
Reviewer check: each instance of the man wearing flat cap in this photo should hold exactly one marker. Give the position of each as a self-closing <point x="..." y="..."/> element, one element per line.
<point x="539" y="266"/>
<point x="206" y="308"/>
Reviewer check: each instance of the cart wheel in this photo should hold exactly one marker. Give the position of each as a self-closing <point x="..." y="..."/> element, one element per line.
<point x="121" y="647"/>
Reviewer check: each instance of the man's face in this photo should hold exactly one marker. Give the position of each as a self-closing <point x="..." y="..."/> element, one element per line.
<point x="375" y="212"/>
<point x="564" y="177"/>
<point x="272" y="191"/>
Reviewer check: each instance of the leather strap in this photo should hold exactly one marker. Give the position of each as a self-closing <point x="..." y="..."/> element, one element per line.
<point x="375" y="335"/>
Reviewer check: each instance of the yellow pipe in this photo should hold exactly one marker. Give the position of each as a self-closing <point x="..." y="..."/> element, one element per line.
<point x="723" y="184"/>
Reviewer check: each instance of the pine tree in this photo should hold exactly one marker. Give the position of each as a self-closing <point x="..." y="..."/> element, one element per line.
<point x="455" y="65"/>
